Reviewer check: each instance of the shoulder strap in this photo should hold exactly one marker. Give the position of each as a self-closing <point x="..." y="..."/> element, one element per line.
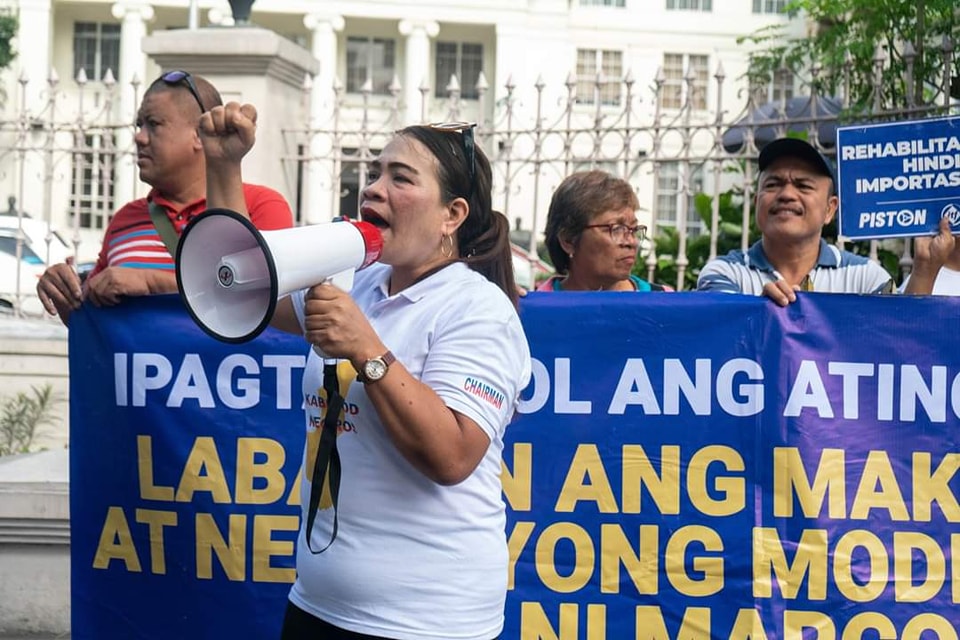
<point x="164" y="227"/>
<point x="326" y="466"/>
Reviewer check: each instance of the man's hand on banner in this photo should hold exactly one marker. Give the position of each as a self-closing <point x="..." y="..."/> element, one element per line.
<point x="108" y="287"/>
<point x="780" y="292"/>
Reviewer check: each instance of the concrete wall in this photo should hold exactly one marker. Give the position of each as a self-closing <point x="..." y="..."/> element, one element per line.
<point x="35" y="543"/>
<point x="34" y="494"/>
<point x="34" y="353"/>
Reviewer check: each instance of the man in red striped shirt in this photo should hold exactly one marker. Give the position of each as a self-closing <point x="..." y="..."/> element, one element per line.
<point x="134" y="260"/>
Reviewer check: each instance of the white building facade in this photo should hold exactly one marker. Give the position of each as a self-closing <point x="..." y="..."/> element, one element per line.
<point x="555" y="86"/>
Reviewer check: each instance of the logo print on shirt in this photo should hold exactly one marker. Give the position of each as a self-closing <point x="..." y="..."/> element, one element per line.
<point x="483" y="391"/>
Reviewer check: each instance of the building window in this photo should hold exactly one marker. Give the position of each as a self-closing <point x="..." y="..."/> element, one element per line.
<point x="690" y="5"/>
<point x="603" y="3"/>
<point x="780" y="90"/>
<point x="96" y="48"/>
<point x="674" y="90"/>
<point x="671" y="191"/>
<point x="92" y="192"/>
<point x="353" y="177"/>
<point x="610" y="66"/>
<point x="461" y="59"/>
<point x="372" y="59"/>
<point x="770" y="6"/>
<point x="350" y="189"/>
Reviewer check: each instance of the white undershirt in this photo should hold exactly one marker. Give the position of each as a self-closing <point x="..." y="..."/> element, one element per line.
<point x="946" y="284"/>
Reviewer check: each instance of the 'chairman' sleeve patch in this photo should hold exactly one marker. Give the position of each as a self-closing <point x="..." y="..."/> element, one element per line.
<point x="484" y="391"/>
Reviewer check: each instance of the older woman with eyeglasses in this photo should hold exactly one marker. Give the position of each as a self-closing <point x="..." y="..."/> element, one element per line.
<point x="593" y="235"/>
<point x="410" y="542"/>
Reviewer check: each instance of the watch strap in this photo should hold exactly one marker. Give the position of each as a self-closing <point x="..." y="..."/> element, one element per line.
<point x="387" y="359"/>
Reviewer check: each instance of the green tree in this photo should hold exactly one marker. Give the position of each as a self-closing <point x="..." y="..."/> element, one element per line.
<point x="729" y="236"/>
<point x="846" y="36"/>
<point x="8" y="30"/>
<point x="857" y="28"/>
<point x="22" y="415"/>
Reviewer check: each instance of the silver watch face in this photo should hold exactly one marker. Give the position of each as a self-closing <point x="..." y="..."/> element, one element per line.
<point x="374" y="369"/>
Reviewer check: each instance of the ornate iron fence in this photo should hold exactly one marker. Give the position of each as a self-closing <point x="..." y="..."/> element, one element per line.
<point x="632" y="135"/>
<point x="623" y="127"/>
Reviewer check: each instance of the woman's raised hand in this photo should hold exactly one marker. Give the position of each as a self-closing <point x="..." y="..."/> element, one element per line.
<point x="228" y="132"/>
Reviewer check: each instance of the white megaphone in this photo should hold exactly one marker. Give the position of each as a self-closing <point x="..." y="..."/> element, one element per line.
<point x="231" y="275"/>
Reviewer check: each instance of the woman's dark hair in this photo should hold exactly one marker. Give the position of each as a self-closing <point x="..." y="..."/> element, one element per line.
<point x="484" y="237"/>
<point x="576" y="202"/>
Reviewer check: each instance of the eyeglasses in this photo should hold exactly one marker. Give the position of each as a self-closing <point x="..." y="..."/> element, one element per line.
<point x="469" y="144"/>
<point x="621" y="232"/>
<point x="178" y="77"/>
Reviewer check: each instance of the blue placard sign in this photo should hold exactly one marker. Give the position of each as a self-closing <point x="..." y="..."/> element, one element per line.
<point x="899" y="179"/>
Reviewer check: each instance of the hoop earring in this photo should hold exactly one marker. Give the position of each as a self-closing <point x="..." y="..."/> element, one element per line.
<point x="446" y="251"/>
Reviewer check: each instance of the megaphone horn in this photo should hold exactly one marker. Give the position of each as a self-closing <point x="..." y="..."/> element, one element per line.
<point x="231" y="275"/>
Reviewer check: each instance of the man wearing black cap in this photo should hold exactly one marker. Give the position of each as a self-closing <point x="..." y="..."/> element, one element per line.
<point x="796" y="197"/>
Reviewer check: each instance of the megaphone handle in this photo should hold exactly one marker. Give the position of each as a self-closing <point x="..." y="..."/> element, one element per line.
<point x="344" y="282"/>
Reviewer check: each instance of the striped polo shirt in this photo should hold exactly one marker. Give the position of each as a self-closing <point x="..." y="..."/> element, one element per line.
<point x="131" y="240"/>
<point x="836" y="271"/>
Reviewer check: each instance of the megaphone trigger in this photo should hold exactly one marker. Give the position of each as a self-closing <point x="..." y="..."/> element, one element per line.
<point x="230" y="274"/>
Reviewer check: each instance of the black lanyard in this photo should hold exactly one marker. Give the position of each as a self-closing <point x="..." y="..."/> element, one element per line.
<point x="328" y="459"/>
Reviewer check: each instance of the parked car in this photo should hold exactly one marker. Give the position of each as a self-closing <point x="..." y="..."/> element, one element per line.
<point x="30" y="272"/>
<point x="34" y="254"/>
<point x="35" y="240"/>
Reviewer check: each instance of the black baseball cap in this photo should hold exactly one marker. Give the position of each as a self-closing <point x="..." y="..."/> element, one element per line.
<point x="797" y="148"/>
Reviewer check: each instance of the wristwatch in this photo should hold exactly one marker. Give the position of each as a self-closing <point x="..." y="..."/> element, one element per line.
<point x="375" y="368"/>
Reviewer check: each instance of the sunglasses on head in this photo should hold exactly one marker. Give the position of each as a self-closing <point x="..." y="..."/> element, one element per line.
<point x="182" y="78"/>
<point x="465" y="129"/>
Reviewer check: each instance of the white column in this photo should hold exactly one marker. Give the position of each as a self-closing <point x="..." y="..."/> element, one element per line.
<point x="321" y="193"/>
<point x="418" y="58"/>
<point x="133" y="28"/>
<point x="34" y="42"/>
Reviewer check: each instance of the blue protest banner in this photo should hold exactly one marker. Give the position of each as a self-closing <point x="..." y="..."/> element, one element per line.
<point x="691" y="465"/>
<point x="898" y="179"/>
<point x="183" y="470"/>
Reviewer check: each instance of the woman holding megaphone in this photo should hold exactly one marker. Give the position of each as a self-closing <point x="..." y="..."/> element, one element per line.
<point x="407" y="538"/>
